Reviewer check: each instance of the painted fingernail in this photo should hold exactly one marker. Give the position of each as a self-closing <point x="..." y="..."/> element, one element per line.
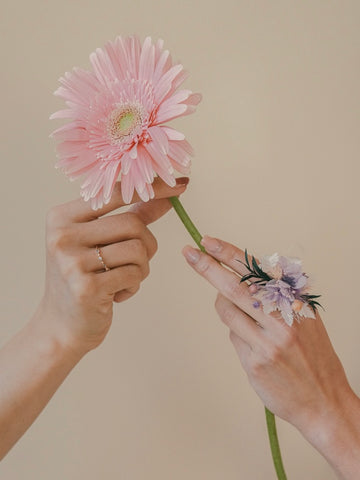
<point x="182" y="181"/>
<point x="211" y="244"/>
<point x="191" y="255"/>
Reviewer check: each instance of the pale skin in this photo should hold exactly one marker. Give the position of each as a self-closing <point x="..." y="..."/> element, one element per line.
<point x="294" y="370"/>
<point x="76" y="310"/>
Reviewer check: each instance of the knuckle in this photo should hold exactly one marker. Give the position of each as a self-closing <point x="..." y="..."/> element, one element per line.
<point x="218" y="303"/>
<point x="227" y="315"/>
<point x="266" y="355"/>
<point x="203" y="264"/>
<point x="232" y="336"/>
<point x="256" y="368"/>
<point x="134" y="224"/>
<point x="234" y="289"/>
<point x="289" y="338"/>
<point x="134" y="275"/>
<point x="145" y="270"/>
<point x="232" y="253"/>
<point x="132" y="290"/>
<point x="274" y="354"/>
<point x="85" y="287"/>
<point x="71" y="265"/>
<point x="153" y="245"/>
<point x="58" y="239"/>
<point x="138" y="248"/>
<point x="53" y="216"/>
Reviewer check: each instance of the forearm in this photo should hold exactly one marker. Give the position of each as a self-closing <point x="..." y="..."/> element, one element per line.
<point x="336" y="435"/>
<point x="33" y="364"/>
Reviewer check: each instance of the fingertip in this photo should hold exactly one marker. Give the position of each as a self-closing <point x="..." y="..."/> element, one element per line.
<point x="211" y="244"/>
<point x="191" y="254"/>
<point x="182" y="182"/>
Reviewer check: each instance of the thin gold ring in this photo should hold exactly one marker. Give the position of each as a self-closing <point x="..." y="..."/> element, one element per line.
<point x="98" y="251"/>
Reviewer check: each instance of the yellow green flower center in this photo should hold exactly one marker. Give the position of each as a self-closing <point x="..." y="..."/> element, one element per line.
<point x="125" y="122"/>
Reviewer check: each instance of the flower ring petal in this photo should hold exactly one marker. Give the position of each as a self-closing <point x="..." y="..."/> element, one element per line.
<point x="280" y="285"/>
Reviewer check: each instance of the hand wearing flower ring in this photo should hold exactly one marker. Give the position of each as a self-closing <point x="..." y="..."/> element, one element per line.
<point x="294" y="369"/>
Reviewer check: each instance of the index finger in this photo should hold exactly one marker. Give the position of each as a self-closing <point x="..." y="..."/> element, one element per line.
<point x="80" y="211"/>
<point x="226" y="253"/>
<point x="225" y="281"/>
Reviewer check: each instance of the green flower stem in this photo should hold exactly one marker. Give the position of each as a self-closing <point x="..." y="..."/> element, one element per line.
<point x="270" y="418"/>
<point x="186" y="220"/>
<point x="274" y="445"/>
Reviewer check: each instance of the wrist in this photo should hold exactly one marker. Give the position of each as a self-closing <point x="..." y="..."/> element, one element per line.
<point x="52" y="337"/>
<point x="335" y="432"/>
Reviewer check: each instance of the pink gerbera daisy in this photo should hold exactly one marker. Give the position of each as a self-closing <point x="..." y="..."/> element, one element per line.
<point x="117" y="113"/>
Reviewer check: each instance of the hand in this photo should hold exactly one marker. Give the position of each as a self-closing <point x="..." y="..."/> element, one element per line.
<point x="78" y="300"/>
<point x="294" y="370"/>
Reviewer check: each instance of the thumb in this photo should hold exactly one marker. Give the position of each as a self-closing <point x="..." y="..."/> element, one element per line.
<point x="152" y="210"/>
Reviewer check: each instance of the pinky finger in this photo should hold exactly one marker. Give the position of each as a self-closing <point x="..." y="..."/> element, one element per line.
<point x="123" y="295"/>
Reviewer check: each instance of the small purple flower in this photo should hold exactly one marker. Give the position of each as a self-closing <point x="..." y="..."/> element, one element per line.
<point x="287" y="284"/>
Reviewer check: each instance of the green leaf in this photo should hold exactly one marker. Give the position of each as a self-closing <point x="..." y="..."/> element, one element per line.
<point x="260" y="273"/>
<point x="247" y="260"/>
<point x="241" y="262"/>
<point x="246" y="277"/>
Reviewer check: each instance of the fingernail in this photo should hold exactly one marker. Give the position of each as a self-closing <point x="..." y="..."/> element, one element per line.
<point x="182" y="181"/>
<point x="191" y="255"/>
<point x="211" y="244"/>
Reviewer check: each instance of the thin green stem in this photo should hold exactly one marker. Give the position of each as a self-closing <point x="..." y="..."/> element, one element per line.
<point x="270" y="418"/>
<point x="274" y="445"/>
<point x="186" y="220"/>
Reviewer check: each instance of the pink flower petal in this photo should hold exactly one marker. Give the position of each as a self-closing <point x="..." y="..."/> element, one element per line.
<point x="164" y="84"/>
<point x="159" y="45"/>
<point x="161" y="164"/>
<point x="161" y="66"/>
<point x="133" y="152"/>
<point x="126" y="162"/>
<point x="118" y="57"/>
<point x="76" y="166"/>
<point x="62" y="114"/>
<point x="160" y="138"/>
<point x="194" y="99"/>
<point x="70" y="132"/>
<point x="177" y="153"/>
<point x="150" y="191"/>
<point x="71" y="149"/>
<point x="173" y="134"/>
<point x="127" y="187"/>
<point x="81" y="83"/>
<point x="102" y="67"/>
<point x="147" y="60"/>
<point x="133" y="50"/>
<point x="171" y="112"/>
<point x="144" y="162"/>
<point x="187" y="147"/>
<point x="111" y="175"/>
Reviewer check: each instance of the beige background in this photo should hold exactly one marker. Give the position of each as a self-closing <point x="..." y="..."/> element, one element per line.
<point x="277" y="143"/>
